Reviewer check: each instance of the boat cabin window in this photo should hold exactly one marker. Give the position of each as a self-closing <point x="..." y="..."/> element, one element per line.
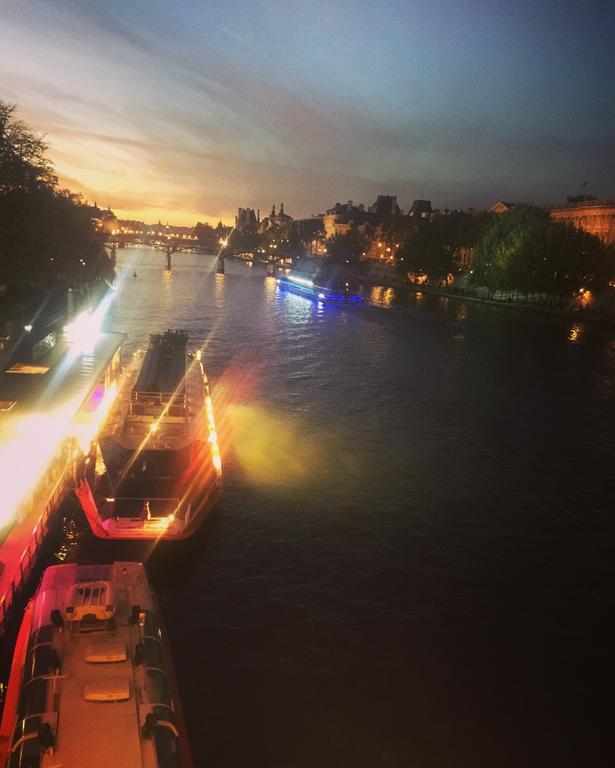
<point x="33" y="699"/>
<point x="164" y="712"/>
<point x="167" y="746"/>
<point x="27" y="726"/>
<point x="42" y="660"/>
<point x="29" y="754"/>
<point x="151" y="627"/>
<point x="43" y="634"/>
<point x="154" y="656"/>
<point x="159" y="687"/>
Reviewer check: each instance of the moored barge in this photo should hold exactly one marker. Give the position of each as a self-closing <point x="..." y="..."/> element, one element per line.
<point x="158" y="469"/>
<point x="92" y="682"/>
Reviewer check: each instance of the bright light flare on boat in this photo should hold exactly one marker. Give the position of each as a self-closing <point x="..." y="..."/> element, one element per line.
<point x="29" y="443"/>
<point x="301" y="281"/>
<point x="213" y="436"/>
<point x="83" y="331"/>
<point x="90" y="420"/>
<point x="27" y="447"/>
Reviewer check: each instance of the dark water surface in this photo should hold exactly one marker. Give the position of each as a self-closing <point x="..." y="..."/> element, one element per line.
<point x="413" y="561"/>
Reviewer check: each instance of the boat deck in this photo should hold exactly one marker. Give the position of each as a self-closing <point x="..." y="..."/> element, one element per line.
<point x="108" y="678"/>
<point x="171" y="431"/>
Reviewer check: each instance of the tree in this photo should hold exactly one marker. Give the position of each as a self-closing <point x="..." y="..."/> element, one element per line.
<point x="207" y="236"/>
<point x="345" y="247"/>
<point x="23" y="164"/>
<point x="431" y="247"/>
<point x="241" y="240"/>
<point x="46" y="234"/>
<point x="294" y="245"/>
<point x="525" y="250"/>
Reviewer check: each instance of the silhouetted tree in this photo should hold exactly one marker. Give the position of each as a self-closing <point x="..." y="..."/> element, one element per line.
<point x="346" y="247"/>
<point x="527" y="251"/>
<point x="243" y="240"/>
<point x="207" y="236"/>
<point x="431" y="247"/>
<point x="46" y="234"/>
<point x="23" y="164"/>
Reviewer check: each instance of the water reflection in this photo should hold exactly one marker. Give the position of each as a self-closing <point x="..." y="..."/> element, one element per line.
<point x="381" y="296"/>
<point x="219" y="291"/>
<point x="375" y="294"/>
<point x="575" y="333"/>
<point x="299" y="308"/>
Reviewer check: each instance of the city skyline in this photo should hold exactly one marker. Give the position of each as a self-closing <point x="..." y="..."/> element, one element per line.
<point x="184" y="113"/>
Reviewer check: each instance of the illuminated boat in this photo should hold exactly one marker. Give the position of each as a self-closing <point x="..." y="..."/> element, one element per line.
<point x="92" y="682"/>
<point x="306" y="287"/>
<point x="157" y="471"/>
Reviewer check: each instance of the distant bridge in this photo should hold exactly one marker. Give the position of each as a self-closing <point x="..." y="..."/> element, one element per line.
<point x="167" y="243"/>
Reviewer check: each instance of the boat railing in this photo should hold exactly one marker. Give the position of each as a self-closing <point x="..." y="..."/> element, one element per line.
<point x="144" y="498"/>
<point x="137" y="503"/>
<point x="152" y="403"/>
<point x="158" y="398"/>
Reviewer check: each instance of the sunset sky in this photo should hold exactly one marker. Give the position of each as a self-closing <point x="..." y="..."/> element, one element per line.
<point x="185" y="110"/>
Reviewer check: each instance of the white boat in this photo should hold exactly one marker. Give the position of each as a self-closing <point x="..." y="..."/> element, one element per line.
<point x="158" y="469"/>
<point x="92" y="682"/>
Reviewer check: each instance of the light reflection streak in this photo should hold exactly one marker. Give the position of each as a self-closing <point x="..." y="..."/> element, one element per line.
<point x="30" y="442"/>
<point x="575" y="333"/>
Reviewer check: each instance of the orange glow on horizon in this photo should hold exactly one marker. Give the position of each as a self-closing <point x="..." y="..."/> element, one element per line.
<point x="93" y="182"/>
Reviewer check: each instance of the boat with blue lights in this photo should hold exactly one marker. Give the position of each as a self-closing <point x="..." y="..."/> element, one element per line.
<point x="157" y="470"/>
<point x="340" y="293"/>
<point x="92" y="680"/>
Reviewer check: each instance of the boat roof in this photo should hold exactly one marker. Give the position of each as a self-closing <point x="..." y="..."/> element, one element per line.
<point x="164" y="365"/>
<point x="96" y="668"/>
<point x="60" y="377"/>
<point x="179" y="417"/>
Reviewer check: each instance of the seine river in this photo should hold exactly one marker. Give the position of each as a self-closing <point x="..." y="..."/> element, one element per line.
<point x="413" y="561"/>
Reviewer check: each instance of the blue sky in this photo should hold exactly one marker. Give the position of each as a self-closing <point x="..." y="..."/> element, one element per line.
<point x="186" y="110"/>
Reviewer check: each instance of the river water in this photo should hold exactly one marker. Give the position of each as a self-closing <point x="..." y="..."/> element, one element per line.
<point x="412" y="563"/>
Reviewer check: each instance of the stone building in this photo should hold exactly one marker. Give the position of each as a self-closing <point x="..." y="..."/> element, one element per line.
<point x="276" y="221"/>
<point x="501" y="207"/>
<point x="246" y="220"/>
<point x="594" y="216"/>
<point x="421" y="209"/>
<point x="385" y="206"/>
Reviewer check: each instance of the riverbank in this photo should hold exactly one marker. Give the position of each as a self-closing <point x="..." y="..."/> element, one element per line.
<point x="581" y="315"/>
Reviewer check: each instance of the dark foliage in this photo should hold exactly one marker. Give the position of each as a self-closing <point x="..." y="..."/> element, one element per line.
<point x="525" y="250"/>
<point x="346" y="248"/>
<point x="23" y="164"/>
<point x="46" y="234"/>
<point x="431" y="247"/>
<point x="208" y="237"/>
